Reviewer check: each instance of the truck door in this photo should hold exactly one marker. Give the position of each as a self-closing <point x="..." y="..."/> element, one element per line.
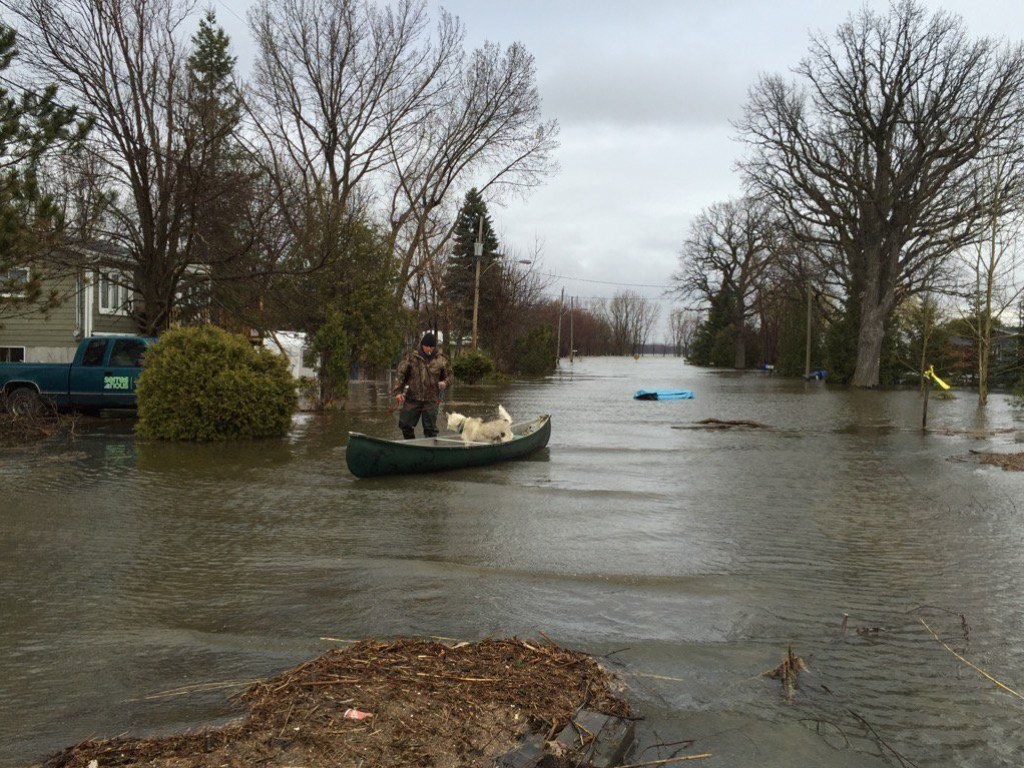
<point x="122" y="372"/>
<point x="85" y="381"/>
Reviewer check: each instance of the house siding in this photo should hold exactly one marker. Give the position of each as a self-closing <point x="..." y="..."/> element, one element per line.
<point x="53" y="336"/>
<point x="46" y="336"/>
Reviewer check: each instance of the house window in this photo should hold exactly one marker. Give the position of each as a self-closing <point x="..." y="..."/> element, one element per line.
<point x="12" y="354"/>
<point x="115" y="294"/>
<point x="13" y="282"/>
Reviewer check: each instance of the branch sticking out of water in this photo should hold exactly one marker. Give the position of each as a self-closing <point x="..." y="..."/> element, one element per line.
<point x="788" y="672"/>
<point x="975" y="667"/>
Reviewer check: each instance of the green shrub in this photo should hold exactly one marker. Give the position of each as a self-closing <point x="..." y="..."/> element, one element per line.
<point x="471" y="365"/>
<point x="206" y="384"/>
<point x="535" y="352"/>
<point x="1018" y="393"/>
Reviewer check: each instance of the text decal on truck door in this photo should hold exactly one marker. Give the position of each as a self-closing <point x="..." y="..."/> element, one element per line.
<point x="117" y="382"/>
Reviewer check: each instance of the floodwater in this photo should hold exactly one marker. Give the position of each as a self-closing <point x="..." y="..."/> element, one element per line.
<point x="693" y="558"/>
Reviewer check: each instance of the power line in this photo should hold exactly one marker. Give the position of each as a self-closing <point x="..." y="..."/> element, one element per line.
<point x="647" y="298"/>
<point x="230" y="10"/>
<point x="604" y="282"/>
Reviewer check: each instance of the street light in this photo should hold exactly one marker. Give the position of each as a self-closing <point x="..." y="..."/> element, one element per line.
<point x="478" y="252"/>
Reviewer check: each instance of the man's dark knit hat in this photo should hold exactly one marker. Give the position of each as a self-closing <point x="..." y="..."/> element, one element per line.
<point x="428" y="340"/>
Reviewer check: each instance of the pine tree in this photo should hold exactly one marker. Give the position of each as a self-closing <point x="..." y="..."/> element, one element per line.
<point x="461" y="273"/>
<point x="225" y="178"/>
<point x="213" y="96"/>
<point x="32" y="126"/>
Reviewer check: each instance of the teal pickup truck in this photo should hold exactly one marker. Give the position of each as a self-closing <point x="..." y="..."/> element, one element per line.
<point x="102" y="375"/>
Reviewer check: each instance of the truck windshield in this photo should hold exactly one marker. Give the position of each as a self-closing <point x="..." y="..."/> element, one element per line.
<point x="94" y="352"/>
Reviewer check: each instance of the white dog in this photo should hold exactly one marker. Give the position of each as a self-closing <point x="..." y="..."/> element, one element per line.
<point x="474" y="430"/>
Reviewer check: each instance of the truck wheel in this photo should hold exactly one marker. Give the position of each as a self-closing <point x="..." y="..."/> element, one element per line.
<point x="24" y="401"/>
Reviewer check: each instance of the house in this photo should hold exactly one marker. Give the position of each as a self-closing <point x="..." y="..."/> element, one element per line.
<point x="89" y="302"/>
<point x="292" y="345"/>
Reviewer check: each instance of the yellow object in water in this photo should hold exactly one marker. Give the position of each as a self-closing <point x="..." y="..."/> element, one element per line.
<point x="931" y="372"/>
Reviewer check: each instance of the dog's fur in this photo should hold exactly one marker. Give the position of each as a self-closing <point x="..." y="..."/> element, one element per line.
<point x="476" y="430"/>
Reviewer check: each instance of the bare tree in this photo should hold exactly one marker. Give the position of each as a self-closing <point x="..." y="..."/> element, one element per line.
<point x="871" y="153"/>
<point x="682" y="324"/>
<point x="631" y="318"/>
<point x="359" y="106"/>
<point x="729" y="249"/>
<point x="992" y="267"/>
<point x="336" y="86"/>
<point x="517" y="290"/>
<point x="486" y="126"/>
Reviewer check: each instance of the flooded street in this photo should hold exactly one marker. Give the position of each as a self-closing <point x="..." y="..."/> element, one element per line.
<point x="129" y="569"/>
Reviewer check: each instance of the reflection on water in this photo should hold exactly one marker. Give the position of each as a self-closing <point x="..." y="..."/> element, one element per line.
<point x="130" y="568"/>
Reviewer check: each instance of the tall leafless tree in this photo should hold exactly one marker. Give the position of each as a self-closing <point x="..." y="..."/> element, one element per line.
<point x="871" y="151"/>
<point x="730" y="248"/>
<point x="370" y="109"/>
<point x="487" y="129"/>
<point x="631" y="318"/>
<point x="337" y="85"/>
<point x="682" y="325"/>
<point x="992" y="268"/>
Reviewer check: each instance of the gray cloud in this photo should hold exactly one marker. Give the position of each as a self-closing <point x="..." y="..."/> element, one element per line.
<point x="644" y="90"/>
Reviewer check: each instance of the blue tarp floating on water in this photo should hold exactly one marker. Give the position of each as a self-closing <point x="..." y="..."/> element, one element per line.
<point x="663" y="394"/>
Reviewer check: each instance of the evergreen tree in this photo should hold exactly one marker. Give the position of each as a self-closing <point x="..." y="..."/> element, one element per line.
<point x="213" y="97"/>
<point x="32" y="126"/>
<point x="713" y="342"/>
<point x="223" y="175"/>
<point x="461" y="273"/>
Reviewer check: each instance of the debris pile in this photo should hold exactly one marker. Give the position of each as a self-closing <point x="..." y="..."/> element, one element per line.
<point x="715" y="424"/>
<point x="397" y="703"/>
<point x="1010" y="461"/>
<point x="29" y="428"/>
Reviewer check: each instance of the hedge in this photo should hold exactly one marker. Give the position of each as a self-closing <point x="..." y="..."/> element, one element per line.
<point x="204" y="384"/>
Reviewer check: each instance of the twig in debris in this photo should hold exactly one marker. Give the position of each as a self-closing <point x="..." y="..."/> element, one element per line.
<point x="667" y="760"/>
<point x="618" y="650"/>
<point x="655" y="677"/>
<point x="903" y="759"/>
<point x="662" y="744"/>
<point x="964" y="626"/>
<point x="197" y="688"/>
<point x="975" y="667"/>
<point x="818" y="722"/>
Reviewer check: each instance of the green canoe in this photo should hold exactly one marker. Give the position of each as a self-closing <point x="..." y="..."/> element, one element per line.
<point x="373" y="457"/>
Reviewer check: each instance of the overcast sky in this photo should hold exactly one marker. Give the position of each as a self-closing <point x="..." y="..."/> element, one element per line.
<point x="644" y="92"/>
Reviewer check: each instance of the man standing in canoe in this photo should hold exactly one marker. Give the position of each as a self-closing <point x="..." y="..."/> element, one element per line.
<point x="422" y="377"/>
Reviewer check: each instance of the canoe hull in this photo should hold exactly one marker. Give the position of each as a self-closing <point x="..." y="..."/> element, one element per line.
<point x="373" y="457"/>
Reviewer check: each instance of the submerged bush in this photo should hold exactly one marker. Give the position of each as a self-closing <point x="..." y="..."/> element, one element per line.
<point x="535" y="352"/>
<point x="206" y="384"/>
<point x="1018" y="394"/>
<point x="472" y="365"/>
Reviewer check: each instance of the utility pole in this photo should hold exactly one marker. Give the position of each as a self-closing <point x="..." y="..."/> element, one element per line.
<point x="478" y="253"/>
<point x="807" y="355"/>
<point x="558" y="343"/>
<point x="572" y="337"/>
